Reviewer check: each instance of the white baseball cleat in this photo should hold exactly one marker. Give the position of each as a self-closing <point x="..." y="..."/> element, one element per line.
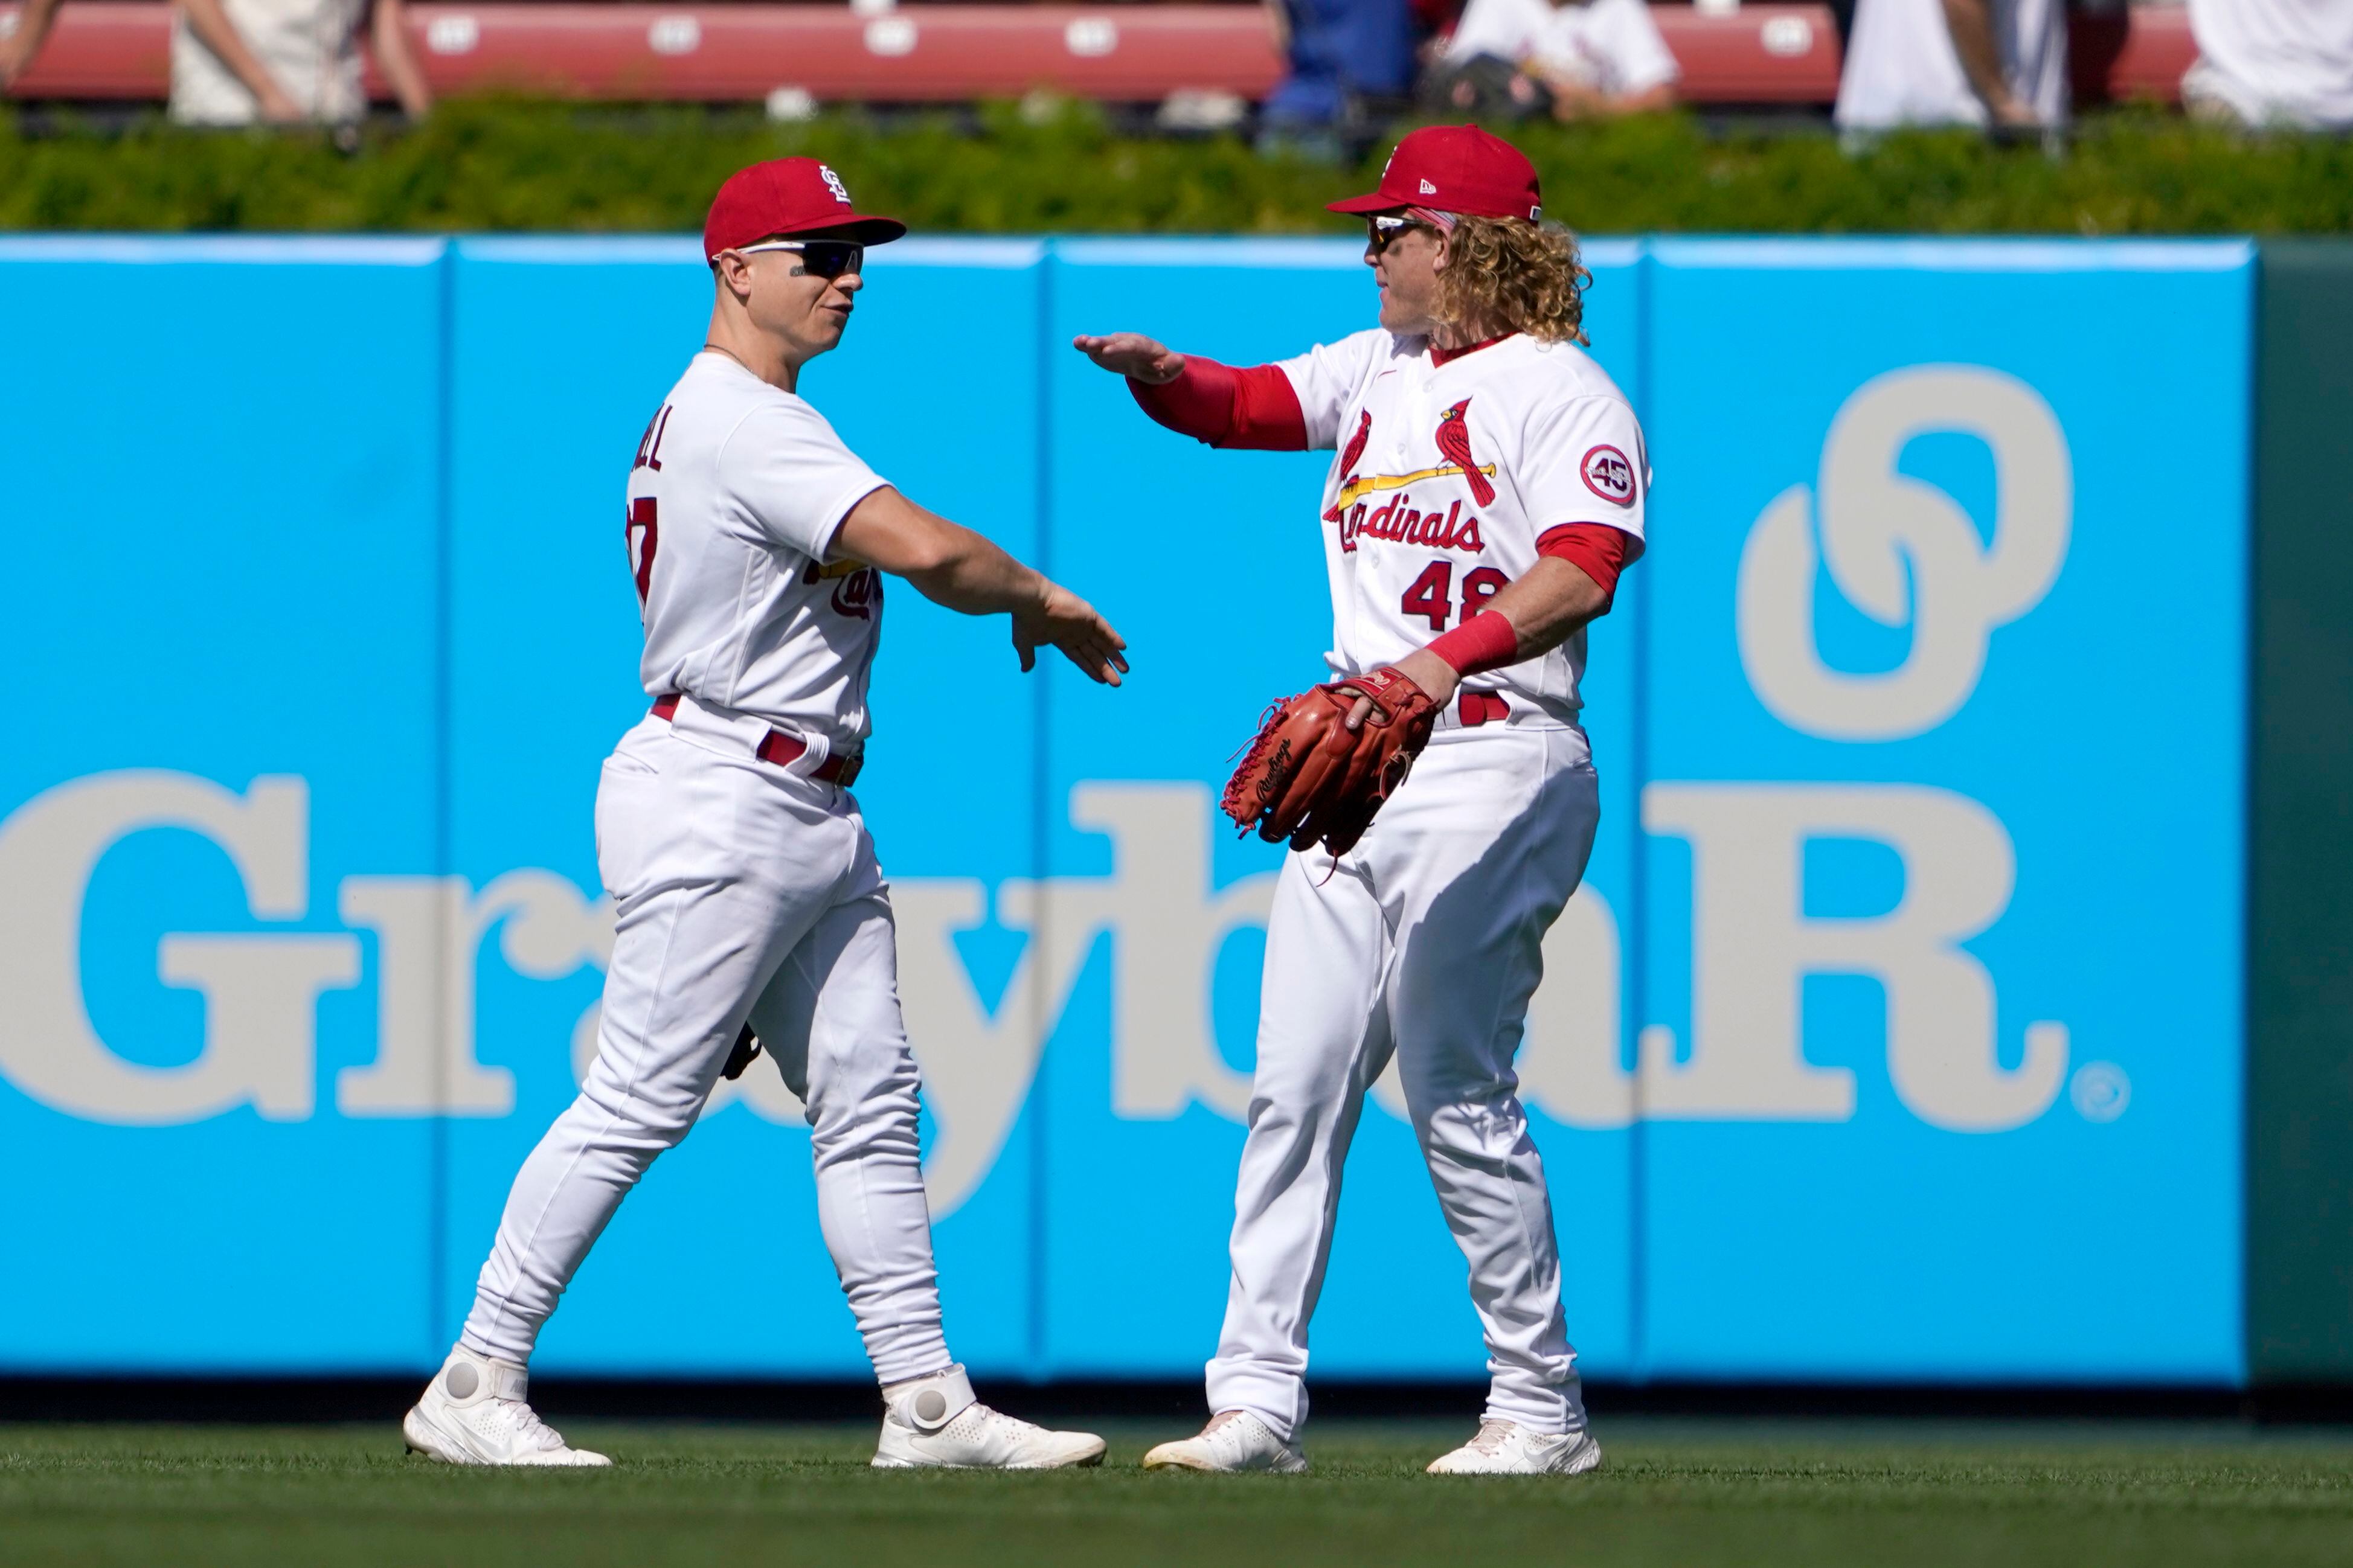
<point x="1233" y="1440"/>
<point x="934" y="1422"/>
<point x="473" y="1413"/>
<point x="1508" y="1448"/>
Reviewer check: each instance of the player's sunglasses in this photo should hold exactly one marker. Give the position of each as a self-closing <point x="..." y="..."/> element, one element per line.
<point x="1380" y="231"/>
<point x="819" y="257"/>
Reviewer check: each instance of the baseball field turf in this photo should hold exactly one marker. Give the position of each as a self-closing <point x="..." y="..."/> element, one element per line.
<point x="1675" y="1492"/>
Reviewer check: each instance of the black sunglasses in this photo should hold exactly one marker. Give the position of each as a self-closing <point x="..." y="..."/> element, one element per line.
<point x="1380" y="231"/>
<point x="819" y="257"/>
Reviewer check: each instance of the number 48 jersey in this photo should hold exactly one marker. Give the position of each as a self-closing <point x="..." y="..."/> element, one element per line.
<point x="1448" y="478"/>
<point x="737" y="493"/>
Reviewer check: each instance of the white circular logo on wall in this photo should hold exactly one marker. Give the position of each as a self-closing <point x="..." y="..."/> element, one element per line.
<point x="1609" y="475"/>
<point x="1903" y="552"/>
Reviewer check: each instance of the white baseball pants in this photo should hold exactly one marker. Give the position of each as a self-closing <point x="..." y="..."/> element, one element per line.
<point x="1424" y="942"/>
<point x="741" y="890"/>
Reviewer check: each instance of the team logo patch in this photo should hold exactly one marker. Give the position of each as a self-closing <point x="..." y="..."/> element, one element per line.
<point x="833" y="182"/>
<point x="1609" y="475"/>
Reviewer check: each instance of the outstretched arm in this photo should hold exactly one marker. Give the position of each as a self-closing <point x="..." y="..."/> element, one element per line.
<point x="1254" y="408"/>
<point x="952" y="565"/>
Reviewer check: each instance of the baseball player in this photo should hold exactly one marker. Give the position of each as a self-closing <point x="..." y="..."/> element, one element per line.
<point x="1488" y="490"/>
<point x="748" y="898"/>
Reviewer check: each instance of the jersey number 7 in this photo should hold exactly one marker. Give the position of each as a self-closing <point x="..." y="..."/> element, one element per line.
<point x="641" y="537"/>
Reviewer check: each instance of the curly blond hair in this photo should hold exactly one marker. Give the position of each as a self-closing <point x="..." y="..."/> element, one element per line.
<point x="1511" y="275"/>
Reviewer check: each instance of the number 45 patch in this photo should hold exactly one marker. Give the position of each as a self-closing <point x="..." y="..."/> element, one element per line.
<point x="1609" y="475"/>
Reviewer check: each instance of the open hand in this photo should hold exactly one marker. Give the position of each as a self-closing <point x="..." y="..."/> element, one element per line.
<point x="1134" y="354"/>
<point x="1068" y="622"/>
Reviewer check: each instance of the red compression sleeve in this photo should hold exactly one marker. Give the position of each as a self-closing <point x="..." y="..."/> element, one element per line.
<point x="1253" y="408"/>
<point x="1595" y="549"/>
<point x="1484" y="642"/>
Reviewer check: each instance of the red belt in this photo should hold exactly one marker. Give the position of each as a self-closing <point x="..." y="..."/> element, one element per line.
<point x="1483" y="708"/>
<point x="782" y="748"/>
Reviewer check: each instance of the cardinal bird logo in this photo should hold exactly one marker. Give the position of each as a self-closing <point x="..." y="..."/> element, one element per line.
<point x="1454" y="443"/>
<point x="1348" y="455"/>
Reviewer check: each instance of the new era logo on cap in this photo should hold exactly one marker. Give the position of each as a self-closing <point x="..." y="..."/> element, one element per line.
<point x="1468" y="170"/>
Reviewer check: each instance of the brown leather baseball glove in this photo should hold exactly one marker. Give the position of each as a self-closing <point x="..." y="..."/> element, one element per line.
<point x="1308" y="778"/>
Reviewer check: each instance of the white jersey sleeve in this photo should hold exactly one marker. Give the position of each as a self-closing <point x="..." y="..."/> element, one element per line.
<point x="1583" y="460"/>
<point x="1328" y="378"/>
<point x="787" y="472"/>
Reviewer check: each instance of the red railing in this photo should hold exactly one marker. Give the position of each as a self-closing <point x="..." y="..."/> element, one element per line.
<point x="1760" y="54"/>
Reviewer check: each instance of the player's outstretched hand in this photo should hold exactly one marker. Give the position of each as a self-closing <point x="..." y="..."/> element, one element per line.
<point x="1133" y="354"/>
<point x="1068" y="622"/>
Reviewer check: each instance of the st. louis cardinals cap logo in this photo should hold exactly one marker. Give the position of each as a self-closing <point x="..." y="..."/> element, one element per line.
<point x="1609" y="475"/>
<point x="833" y="182"/>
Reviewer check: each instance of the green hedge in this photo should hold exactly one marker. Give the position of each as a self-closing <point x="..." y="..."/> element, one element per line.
<point x="484" y="166"/>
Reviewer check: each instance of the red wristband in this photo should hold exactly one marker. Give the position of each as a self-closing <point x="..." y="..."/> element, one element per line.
<point x="1484" y="642"/>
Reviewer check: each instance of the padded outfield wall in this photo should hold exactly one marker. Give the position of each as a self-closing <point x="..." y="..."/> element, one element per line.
<point x="1899" y="1033"/>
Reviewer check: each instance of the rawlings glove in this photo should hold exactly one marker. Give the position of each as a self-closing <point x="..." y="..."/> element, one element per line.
<point x="1309" y="778"/>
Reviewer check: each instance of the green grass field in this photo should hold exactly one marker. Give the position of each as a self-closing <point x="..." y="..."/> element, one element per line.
<point x="1675" y="1493"/>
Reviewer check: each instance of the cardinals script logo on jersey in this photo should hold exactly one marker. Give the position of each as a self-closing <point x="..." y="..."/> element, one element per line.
<point x="1397" y="519"/>
<point x="857" y="587"/>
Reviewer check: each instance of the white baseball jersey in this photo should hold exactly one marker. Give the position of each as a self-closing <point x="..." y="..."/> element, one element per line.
<point x="733" y="503"/>
<point x="1449" y="476"/>
<point x="1901" y="68"/>
<point x="1612" y="46"/>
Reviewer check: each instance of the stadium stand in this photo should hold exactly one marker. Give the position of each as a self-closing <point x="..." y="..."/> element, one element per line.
<point x="1759" y="54"/>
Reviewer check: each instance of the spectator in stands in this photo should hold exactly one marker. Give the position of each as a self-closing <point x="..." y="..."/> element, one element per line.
<point x="18" y="48"/>
<point x="1955" y="62"/>
<point x="2273" y="62"/>
<point x="1575" y="60"/>
<point x="236" y="62"/>
<point x="1350" y="60"/>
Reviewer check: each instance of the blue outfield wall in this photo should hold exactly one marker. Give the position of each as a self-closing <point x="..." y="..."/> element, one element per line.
<point x="1897" y="1033"/>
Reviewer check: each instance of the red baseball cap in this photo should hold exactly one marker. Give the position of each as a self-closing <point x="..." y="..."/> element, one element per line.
<point x="788" y="196"/>
<point x="1454" y="169"/>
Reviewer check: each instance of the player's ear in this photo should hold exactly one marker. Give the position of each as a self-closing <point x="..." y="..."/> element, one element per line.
<point x="733" y="271"/>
